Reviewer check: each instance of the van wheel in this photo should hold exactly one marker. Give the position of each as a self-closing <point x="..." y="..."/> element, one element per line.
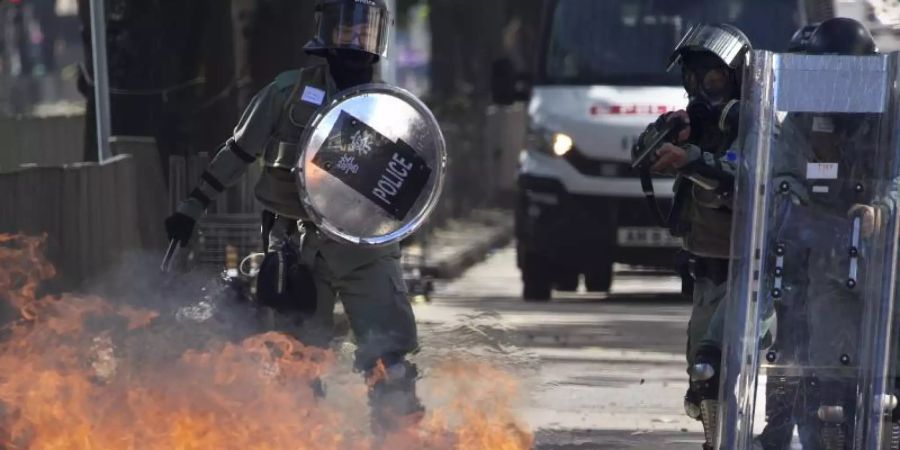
<point x="599" y="278"/>
<point x="566" y="279"/>
<point x="536" y="277"/>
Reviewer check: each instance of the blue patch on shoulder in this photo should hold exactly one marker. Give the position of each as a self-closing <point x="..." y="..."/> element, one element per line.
<point x="731" y="156"/>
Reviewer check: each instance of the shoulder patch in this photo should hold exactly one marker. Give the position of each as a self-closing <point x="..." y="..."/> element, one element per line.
<point x="286" y="80"/>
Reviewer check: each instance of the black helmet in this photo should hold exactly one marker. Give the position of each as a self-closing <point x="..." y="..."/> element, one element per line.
<point x="842" y="36"/>
<point x="800" y="41"/>
<point x="712" y="59"/>
<point x="360" y="25"/>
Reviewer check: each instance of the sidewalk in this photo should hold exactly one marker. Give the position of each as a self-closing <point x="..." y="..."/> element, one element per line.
<point x="461" y="243"/>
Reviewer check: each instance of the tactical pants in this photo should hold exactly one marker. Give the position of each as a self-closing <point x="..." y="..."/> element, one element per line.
<point x="791" y="401"/>
<point x="706" y="326"/>
<point x="369" y="283"/>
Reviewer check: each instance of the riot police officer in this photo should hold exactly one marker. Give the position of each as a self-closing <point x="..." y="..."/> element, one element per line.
<point x="816" y="284"/>
<point x="712" y="58"/>
<point x="351" y="35"/>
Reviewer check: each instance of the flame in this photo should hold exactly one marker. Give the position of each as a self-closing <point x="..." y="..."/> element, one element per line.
<point x="81" y="372"/>
<point x="18" y="281"/>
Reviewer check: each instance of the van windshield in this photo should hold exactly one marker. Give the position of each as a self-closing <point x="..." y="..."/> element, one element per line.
<point x="628" y="42"/>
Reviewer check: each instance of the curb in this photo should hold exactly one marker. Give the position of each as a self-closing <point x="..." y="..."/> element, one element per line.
<point x="462" y="243"/>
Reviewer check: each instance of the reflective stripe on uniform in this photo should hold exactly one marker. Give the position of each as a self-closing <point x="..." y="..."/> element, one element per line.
<point x="198" y="195"/>
<point x="239" y="152"/>
<point x="212" y="181"/>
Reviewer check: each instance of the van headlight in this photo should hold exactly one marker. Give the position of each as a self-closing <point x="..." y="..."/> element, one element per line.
<point x="550" y="143"/>
<point x="562" y="144"/>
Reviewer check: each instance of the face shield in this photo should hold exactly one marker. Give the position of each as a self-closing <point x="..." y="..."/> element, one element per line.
<point x="358" y="25"/>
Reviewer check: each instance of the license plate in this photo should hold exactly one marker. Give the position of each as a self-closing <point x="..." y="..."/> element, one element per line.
<point x="647" y="237"/>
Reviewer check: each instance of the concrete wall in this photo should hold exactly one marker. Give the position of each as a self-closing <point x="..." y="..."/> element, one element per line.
<point x="88" y="211"/>
<point x="91" y="213"/>
<point x="45" y="141"/>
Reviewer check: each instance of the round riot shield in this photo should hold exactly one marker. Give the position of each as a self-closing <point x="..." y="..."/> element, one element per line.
<point x="372" y="165"/>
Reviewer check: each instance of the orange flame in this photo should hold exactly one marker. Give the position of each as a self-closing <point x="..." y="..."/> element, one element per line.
<point x="79" y="372"/>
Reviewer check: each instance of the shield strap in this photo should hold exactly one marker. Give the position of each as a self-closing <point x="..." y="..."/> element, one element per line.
<point x="668" y="220"/>
<point x="650" y="195"/>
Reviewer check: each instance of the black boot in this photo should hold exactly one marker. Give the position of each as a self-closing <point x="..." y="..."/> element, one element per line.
<point x="392" y="398"/>
<point x="782" y="395"/>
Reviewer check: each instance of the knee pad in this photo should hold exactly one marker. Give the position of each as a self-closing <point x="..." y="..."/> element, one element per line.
<point x="705" y="373"/>
<point x="831" y="414"/>
<point x="704" y="376"/>
<point x="892" y="425"/>
<point x="833" y="430"/>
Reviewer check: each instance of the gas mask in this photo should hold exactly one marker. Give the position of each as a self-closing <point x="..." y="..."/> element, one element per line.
<point x="708" y="80"/>
<point x="351" y="59"/>
<point x="712" y="88"/>
<point x="351" y="67"/>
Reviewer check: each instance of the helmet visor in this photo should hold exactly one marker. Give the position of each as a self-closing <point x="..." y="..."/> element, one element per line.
<point x="353" y="26"/>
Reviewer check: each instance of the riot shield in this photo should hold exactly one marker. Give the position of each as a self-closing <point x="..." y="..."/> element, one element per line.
<point x="810" y="332"/>
<point x="372" y="166"/>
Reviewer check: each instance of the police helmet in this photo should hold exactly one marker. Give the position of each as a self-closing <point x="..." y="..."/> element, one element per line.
<point x="728" y="43"/>
<point x="712" y="59"/>
<point x="360" y="25"/>
<point x="842" y="36"/>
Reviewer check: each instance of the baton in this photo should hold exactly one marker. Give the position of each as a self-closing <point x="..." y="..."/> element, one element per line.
<point x="671" y="129"/>
<point x="171" y="253"/>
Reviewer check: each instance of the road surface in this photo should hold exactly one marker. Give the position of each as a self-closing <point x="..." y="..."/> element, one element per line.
<point x="598" y="371"/>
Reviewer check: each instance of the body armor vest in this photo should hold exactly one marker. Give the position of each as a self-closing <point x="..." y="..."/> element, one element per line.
<point x="282" y="150"/>
<point x="277" y="187"/>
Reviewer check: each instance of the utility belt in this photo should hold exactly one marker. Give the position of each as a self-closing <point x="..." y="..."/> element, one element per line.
<point x="713" y="269"/>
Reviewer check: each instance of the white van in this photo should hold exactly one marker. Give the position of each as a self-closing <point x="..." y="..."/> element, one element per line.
<point x="599" y="80"/>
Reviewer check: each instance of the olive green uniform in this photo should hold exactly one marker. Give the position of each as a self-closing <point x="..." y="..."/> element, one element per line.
<point x="368" y="281"/>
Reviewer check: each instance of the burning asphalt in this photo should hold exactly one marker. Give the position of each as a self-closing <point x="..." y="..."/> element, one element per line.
<point x="155" y="368"/>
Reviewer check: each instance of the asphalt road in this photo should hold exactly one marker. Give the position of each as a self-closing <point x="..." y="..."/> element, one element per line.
<point x="597" y="371"/>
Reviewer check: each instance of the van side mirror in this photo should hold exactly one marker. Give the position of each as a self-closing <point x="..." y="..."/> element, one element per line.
<point x="508" y="86"/>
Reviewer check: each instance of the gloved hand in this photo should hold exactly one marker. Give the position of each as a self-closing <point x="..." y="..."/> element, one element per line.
<point x="868" y="218"/>
<point x="642" y="141"/>
<point x="652" y="132"/>
<point x="668" y="158"/>
<point x="180" y="227"/>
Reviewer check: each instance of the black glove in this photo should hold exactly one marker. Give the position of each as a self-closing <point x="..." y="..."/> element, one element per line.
<point x="180" y="227"/>
<point x="661" y="121"/>
<point x="649" y="133"/>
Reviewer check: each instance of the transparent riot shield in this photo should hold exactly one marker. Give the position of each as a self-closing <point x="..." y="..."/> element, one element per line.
<point x="810" y="331"/>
